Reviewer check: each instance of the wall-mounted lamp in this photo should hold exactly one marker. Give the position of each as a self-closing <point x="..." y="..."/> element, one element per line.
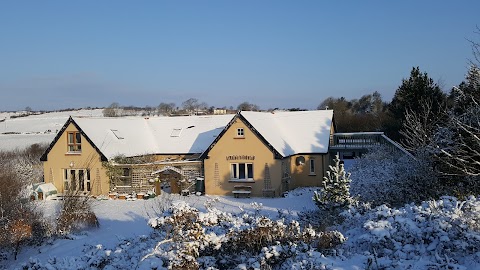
<point x="72" y="164"/>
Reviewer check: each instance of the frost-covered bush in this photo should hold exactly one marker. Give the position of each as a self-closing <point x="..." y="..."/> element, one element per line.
<point x="76" y="214"/>
<point x="384" y="175"/>
<point x="20" y="223"/>
<point x="221" y="240"/>
<point x="441" y="233"/>
<point x="24" y="163"/>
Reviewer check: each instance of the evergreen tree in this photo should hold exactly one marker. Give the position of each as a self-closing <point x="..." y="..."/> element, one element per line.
<point x="335" y="192"/>
<point x="411" y="96"/>
<point x="464" y="96"/>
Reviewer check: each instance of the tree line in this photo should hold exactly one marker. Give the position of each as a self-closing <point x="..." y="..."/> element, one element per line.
<point x="191" y="106"/>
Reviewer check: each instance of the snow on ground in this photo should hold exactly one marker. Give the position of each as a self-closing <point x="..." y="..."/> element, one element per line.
<point x="22" y="132"/>
<point x="442" y="234"/>
<point x="120" y="220"/>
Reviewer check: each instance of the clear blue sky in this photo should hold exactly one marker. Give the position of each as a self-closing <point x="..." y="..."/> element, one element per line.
<point x="59" y="54"/>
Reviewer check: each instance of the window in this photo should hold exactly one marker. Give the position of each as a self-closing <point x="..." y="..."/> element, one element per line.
<point x="176" y="132"/>
<point x="241" y="171"/>
<point x="240" y="132"/>
<point x="89" y="187"/>
<point x="74" y="141"/>
<point x="76" y="180"/>
<point x="117" y="134"/>
<point x="312" y="166"/>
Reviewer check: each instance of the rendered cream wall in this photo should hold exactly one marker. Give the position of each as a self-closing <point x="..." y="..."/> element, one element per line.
<point x="59" y="159"/>
<point x="230" y="145"/>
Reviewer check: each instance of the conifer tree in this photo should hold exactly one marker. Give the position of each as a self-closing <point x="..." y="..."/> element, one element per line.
<point x="411" y="96"/>
<point x="335" y="192"/>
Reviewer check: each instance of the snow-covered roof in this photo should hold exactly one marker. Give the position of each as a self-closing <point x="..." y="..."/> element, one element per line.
<point x="46" y="188"/>
<point x="293" y="132"/>
<point x="288" y="133"/>
<point x="134" y="136"/>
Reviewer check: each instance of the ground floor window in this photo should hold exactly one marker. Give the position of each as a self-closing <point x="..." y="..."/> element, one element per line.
<point x="241" y="171"/>
<point x="76" y="180"/>
<point x="312" y="166"/>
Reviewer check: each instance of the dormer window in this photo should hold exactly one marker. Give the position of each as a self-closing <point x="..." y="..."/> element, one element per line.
<point x="240" y="132"/>
<point x="74" y="142"/>
<point x="176" y="132"/>
<point x="117" y="134"/>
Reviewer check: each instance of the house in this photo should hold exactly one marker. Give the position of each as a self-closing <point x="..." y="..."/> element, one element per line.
<point x="252" y="153"/>
<point x="266" y="154"/>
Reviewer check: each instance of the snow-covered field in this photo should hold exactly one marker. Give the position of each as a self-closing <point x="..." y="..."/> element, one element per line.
<point x="22" y="132"/>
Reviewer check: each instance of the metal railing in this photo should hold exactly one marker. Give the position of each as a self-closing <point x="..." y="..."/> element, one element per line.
<point x="362" y="141"/>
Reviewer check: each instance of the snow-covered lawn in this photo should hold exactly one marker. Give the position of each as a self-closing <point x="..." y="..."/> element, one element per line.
<point x="123" y="220"/>
<point x="443" y="234"/>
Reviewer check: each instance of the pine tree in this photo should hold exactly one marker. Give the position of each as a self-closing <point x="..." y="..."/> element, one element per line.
<point x="411" y="96"/>
<point x="467" y="93"/>
<point x="335" y="192"/>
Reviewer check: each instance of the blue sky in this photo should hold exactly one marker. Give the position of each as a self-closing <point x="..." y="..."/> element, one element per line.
<point x="60" y="54"/>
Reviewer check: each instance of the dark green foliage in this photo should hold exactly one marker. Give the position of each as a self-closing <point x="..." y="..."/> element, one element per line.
<point x="334" y="195"/>
<point x="412" y="96"/>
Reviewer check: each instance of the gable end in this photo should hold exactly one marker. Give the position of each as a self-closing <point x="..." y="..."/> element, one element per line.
<point x="60" y="133"/>
<point x="251" y="128"/>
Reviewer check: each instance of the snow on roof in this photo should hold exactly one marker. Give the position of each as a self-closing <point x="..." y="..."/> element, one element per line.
<point x="46" y="188"/>
<point x="134" y="136"/>
<point x="288" y="132"/>
<point x="294" y="132"/>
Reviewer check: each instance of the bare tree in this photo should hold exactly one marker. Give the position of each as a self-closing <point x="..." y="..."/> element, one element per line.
<point x="190" y="105"/>
<point x="166" y="108"/>
<point x="459" y="143"/>
<point x="247" y="106"/>
<point x="420" y="125"/>
<point x="475" y="47"/>
<point x="112" y="110"/>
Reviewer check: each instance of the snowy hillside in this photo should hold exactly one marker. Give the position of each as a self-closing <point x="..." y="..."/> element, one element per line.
<point x="21" y="132"/>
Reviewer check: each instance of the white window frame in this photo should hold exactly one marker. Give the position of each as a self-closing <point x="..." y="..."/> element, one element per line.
<point x="312" y="166"/>
<point x="240" y="132"/>
<point x="67" y="179"/>
<point x="235" y="171"/>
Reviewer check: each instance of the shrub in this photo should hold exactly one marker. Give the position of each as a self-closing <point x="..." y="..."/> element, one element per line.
<point x="18" y="216"/>
<point x="76" y="214"/>
<point x="219" y="240"/>
<point x="442" y="232"/>
<point x="386" y="176"/>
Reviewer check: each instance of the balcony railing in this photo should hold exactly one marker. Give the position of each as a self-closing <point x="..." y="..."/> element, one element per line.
<point x="362" y="141"/>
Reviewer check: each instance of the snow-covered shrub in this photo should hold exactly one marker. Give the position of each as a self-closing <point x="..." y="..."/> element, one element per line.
<point x="163" y="203"/>
<point x="442" y="232"/>
<point x="76" y="214"/>
<point x="18" y="216"/>
<point x="223" y="241"/>
<point x="25" y="163"/>
<point x="386" y="176"/>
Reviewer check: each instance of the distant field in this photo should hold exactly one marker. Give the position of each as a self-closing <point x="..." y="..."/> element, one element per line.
<point x="22" y="132"/>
